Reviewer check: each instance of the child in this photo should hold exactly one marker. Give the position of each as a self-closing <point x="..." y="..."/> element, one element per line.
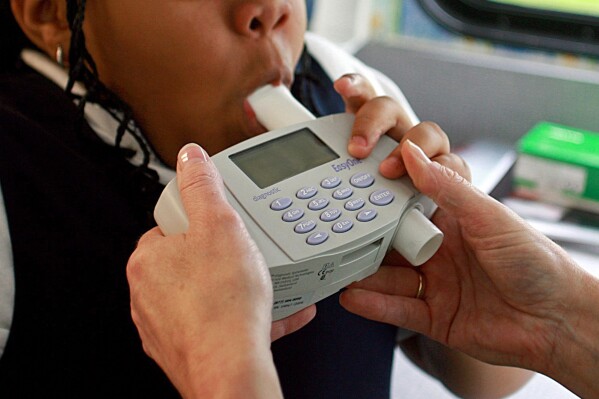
<point x="82" y="168"/>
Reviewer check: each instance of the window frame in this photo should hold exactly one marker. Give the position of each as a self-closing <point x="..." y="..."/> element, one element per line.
<point x="530" y="27"/>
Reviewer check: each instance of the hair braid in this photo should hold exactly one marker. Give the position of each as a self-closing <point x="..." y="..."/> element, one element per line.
<point x="83" y="69"/>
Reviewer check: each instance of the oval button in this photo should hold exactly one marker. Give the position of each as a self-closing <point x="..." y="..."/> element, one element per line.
<point x="343" y="226"/>
<point x="317" y="238"/>
<point x="305" y="227"/>
<point x="382" y="197"/>
<point x="331" y="182"/>
<point x="355" y="204"/>
<point x="293" y="215"/>
<point x="366" y="215"/>
<point x="281" y="203"/>
<point x="343" y="193"/>
<point x="362" y="180"/>
<point x="330" y="215"/>
<point x="318" y="204"/>
<point x="306" y="192"/>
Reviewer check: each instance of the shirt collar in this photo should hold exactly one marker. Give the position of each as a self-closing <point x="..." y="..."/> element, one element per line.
<point x="103" y="124"/>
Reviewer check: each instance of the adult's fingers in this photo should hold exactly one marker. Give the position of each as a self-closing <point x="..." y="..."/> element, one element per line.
<point x="400" y="311"/>
<point x="392" y="280"/>
<point x="446" y="187"/>
<point x="477" y="212"/>
<point x="292" y="323"/>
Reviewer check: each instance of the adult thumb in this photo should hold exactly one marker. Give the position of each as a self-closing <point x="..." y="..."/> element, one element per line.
<point x="200" y="185"/>
<point x="450" y="191"/>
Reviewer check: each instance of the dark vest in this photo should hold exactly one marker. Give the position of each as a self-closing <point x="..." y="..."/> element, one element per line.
<point x="75" y="209"/>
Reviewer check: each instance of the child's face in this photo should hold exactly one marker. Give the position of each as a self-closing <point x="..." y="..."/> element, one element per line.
<point x="187" y="66"/>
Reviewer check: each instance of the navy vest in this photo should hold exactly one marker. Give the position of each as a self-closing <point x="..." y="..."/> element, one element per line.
<point x="75" y="209"/>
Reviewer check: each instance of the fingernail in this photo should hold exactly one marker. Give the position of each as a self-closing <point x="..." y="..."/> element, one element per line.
<point x="392" y="163"/>
<point x="417" y="152"/>
<point x="351" y="77"/>
<point x="359" y="141"/>
<point x="191" y="152"/>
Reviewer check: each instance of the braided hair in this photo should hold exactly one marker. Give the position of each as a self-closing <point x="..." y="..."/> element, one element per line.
<point x="83" y="69"/>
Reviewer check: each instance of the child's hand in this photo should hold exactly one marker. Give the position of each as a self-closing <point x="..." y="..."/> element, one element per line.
<point x="376" y="116"/>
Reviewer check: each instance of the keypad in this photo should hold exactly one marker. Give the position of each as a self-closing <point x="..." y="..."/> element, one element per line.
<point x="336" y="209"/>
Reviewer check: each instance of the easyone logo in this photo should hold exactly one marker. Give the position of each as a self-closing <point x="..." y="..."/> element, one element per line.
<point x="346" y="165"/>
<point x="266" y="194"/>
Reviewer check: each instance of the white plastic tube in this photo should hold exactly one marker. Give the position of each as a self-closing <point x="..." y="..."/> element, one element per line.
<point x="417" y="238"/>
<point x="275" y="107"/>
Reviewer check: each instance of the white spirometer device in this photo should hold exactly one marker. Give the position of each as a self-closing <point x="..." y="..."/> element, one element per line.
<point x="321" y="218"/>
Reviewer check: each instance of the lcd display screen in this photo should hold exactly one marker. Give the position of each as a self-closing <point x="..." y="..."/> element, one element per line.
<point x="286" y="156"/>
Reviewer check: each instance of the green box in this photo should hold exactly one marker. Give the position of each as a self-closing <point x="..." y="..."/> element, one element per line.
<point x="559" y="164"/>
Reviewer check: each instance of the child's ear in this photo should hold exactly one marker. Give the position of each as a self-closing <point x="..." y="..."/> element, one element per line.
<point x="45" y="24"/>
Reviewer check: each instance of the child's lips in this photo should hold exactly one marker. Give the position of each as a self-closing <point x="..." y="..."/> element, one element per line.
<point x="255" y="128"/>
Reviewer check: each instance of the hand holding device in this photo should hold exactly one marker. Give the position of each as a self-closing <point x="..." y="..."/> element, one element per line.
<point x="321" y="218"/>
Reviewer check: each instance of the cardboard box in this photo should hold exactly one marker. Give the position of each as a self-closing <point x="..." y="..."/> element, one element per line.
<point x="559" y="164"/>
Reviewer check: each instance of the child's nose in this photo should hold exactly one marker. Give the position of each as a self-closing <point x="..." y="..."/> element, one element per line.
<point x="259" y="18"/>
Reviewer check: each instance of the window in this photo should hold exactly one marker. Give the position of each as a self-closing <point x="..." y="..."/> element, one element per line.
<point x="562" y="25"/>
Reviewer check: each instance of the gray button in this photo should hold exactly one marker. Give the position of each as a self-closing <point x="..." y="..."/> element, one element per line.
<point x="293" y="215"/>
<point x="330" y="215"/>
<point x="355" y="204"/>
<point x="382" y="197"/>
<point x="281" y="203"/>
<point x="331" y="182"/>
<point x="343" y="193"/>
<point x="318" y="204"/>
<point x="317" y="238"/>
<point x="343" y="226"/>
<point x="306" y="192"/>
<point x="305" y="226"/>
<point x="366" y="215"/>
<point x="362" y="180"/>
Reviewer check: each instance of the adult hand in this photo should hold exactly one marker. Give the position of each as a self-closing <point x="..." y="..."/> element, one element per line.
<point x="205" y="295"/>
<point x="497" y="289"/>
